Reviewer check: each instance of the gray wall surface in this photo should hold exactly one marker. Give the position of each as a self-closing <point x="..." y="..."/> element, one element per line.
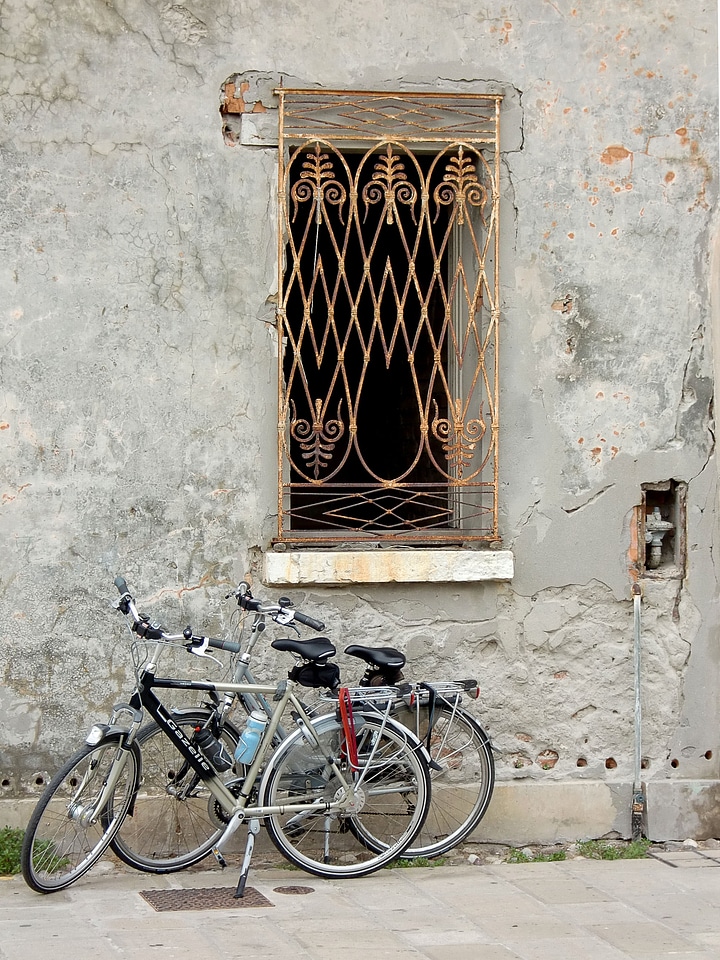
<point x="138" y="261"/>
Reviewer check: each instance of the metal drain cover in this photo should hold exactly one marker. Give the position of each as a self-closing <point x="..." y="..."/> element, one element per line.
<point x="204" y="898"/>
<point x="296" y="891"/>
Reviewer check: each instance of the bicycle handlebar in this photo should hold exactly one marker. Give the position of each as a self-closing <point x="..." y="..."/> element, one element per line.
<point x="232" y="646"/>
<point x="283" y="612"/>
<point x="154" y="631"/>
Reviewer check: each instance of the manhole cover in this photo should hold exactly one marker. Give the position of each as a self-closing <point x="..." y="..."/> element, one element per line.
<point x="207" y="898"/>
<point x="297" y="891"/>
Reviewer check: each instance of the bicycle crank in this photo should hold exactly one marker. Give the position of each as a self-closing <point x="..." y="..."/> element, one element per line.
<point x="220" y="817"/>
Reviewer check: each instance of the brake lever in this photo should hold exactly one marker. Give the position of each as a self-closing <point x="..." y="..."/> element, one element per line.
<point x="286" y="618"/>
<point x="122" y="603"/>
<point x="199" y="649"/>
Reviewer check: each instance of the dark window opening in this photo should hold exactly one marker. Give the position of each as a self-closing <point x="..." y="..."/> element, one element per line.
<point x="378" y="387"/>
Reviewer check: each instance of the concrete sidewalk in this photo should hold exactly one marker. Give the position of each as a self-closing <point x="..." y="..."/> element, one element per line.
<point x="571" y="910"/>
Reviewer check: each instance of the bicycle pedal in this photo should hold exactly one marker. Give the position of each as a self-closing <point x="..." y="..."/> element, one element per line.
<point x="220" y="858"/>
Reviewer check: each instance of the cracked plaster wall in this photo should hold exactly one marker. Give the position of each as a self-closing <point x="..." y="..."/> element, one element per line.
<point x="137" y="269"/>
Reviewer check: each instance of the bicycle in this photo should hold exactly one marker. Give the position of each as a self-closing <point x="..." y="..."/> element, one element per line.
<point x="341" y="796"/>
<point x="171" y="834"/>
<point x="462" y="766"/>
<point x="172" y="828"/>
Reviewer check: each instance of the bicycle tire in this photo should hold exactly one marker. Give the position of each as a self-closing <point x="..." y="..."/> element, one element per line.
<point x="175" y="821"/>
<point x="393" y="795"/>
<point x="60" y="846"/>
<point x="462" y="788"/>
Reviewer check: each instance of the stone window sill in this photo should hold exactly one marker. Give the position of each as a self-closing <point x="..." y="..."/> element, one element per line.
<point x="386" y="566"/>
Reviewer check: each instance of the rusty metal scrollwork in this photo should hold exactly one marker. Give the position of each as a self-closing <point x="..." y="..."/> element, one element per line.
<point x="390" y="185"/>
<point x="459" y="437"/>
<point x="460" y="187"/>
<point x="317" y="438"/>
<point x="317" y="183"/>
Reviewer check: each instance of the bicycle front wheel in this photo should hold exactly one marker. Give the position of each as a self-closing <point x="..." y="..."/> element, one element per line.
<point x="175" y="821"/>
<point x="388" y="801"/>
<point x="462" y="779"/>
<point x="68" y="833"/>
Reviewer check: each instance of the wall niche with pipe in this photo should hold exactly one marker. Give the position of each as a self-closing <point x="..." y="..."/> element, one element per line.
<point x="661" y="529"/>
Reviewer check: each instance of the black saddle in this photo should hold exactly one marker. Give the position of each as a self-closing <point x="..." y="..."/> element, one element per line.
<point x="317" y="649"/>
<point x="382" y="658"/>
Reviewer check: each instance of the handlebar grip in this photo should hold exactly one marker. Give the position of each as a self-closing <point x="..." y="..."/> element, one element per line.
<point x="230" y="645"/>
<point x="121" y="585"/>
<point x="309" y="621"/>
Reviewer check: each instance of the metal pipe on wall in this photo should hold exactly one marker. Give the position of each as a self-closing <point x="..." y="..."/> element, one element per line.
<point x="638" y="810"/>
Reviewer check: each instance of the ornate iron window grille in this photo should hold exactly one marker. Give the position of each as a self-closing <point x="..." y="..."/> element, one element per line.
<point x="388" y="316"/>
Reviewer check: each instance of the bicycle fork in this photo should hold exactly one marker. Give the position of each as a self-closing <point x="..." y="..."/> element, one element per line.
<point x="88" y="814"/>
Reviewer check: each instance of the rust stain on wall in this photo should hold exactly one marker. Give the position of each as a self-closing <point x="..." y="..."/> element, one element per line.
<point x="564" y="306"/>
<point x="615" y="154"/>
<point x="633" y="555"/>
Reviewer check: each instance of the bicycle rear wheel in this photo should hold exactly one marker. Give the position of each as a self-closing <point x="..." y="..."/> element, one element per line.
<point x="67" y="834"/>
<point x="462" y="788"/>
<point x="390" y="789"/>
<point x="175" y="821"/>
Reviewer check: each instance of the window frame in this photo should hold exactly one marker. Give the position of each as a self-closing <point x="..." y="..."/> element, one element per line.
<point x="340" y="119"/>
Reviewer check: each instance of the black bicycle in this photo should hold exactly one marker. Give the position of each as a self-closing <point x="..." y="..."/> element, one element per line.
<point x="341" y="796"/>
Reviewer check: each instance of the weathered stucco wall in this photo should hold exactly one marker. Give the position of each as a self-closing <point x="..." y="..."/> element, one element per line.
<point x="137" y="268"/>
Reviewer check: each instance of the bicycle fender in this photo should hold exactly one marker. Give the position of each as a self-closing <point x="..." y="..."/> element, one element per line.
<point x="329" y="721"/>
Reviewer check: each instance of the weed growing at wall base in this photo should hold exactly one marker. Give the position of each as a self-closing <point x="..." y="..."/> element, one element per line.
<point x="11" y="840"/>
<point x="520" y="856"/>
<point x="10" y="843"/>
<point x="604" y="850"/>
<point x="590" y="849"/>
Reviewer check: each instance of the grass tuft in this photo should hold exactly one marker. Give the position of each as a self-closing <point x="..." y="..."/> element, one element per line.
<point x="10" y="845"/>
<point x="518" y="856"/>
<point x="604" y="850"/>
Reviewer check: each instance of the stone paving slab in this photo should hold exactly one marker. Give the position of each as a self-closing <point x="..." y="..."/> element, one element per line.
<point x="567" y="910"/>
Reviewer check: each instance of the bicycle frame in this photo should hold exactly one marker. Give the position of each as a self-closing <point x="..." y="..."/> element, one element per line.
<point x="235" y="806"/>
<point x="282" y="694"/>
<point x="419" y="698"/>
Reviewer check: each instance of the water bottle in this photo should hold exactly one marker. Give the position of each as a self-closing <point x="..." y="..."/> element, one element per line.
<point x="250" y="737"/>
<point x="216" y="753"/>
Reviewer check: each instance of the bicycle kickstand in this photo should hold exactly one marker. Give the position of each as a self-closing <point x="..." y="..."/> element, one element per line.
<point x="253" y="831"/>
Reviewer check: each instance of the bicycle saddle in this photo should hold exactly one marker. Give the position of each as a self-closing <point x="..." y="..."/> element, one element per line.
<point x="319" y="648"/>
<point x="381" y="657"/>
